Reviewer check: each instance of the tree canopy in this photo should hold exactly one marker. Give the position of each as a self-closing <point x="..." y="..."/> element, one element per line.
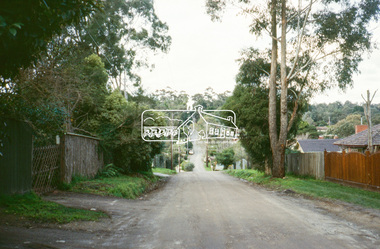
<point x="26" y="28"/>
<point x="122" y="34"/>
<point x="63" y="82"/>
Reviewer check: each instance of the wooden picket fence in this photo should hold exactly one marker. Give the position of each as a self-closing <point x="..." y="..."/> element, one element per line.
<point x="354" y="168"/>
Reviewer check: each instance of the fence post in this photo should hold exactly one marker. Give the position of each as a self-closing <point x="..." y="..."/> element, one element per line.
<point x="368" y="178"/>
<point x="343" y="174"/>
<point x="63" y="155"/>
<point x="326" y="165"/>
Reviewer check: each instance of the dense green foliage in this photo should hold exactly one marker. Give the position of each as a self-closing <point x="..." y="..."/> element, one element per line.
<point x="68" y="88"/>
<point x="251" y="107"/>
<point x="119" y="125"/>
<point x="311" y="187"/>
<point x="33" y="207"/>
<point x="226" y="157"/>
<point x="308" y="130"/>
<point x="110" y="170"/>
<point x="250" y="103"/>
<point x="26" y="27"/>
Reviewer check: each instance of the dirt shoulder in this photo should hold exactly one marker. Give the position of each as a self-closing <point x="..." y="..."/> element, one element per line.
<point x="82" y="201"/>
<point x="367" y="218"/>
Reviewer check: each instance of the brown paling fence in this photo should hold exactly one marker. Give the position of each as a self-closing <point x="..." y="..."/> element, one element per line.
<point x="46" y="168"/>
<point x="82" y="157"/>
<point x="311" y="164"/>
<point x="353" y="167"/>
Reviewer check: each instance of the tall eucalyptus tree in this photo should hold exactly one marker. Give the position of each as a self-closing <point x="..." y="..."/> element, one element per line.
<point x="322" y="42"/>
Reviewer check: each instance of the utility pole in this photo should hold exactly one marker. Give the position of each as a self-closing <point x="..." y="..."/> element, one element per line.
<point x="206" y="153"/>
<point x="171" y="157"/>
<point x="171" y="143"/>
<point x="367" y="112"/>
<point x="179" y="158"/>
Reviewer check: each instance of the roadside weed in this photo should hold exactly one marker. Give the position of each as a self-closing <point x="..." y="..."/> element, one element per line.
<point x="129" y="187"/>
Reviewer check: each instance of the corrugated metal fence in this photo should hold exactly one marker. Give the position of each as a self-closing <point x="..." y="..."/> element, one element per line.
<point x="354" y="167"/>
<point x="24" y="168"/>
<point x="311" y="164"/>
<point x="15" y="157"/>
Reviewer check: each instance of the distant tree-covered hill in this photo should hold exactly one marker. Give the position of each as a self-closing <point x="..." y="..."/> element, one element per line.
<point x="330" y="114"/>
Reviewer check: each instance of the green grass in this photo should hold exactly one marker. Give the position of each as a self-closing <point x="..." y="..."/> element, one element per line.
<point x="129" y="187"/>
<point x="310" y="187"/>
<point x="34" y="208"/>
<point x="164" y="171"/>
<point x="207" y="168"/>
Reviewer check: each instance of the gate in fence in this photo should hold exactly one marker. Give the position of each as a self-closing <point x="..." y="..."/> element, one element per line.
<point x="46" y="168"/>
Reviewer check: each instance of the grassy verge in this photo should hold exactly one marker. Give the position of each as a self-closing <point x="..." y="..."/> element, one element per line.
<point x="126" y="186"/>
<point x="311" y="187"/>
<point x="207" y="168"/>
<point x="164" y="171"/>
<point x="32" y="207"/>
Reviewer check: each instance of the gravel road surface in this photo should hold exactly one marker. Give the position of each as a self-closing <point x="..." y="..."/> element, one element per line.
<point x="204" y="210"/>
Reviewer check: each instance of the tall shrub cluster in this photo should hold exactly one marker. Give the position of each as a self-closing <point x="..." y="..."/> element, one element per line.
<point x="73" y="77"/>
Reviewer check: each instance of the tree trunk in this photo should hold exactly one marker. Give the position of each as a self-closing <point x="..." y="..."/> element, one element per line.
<point x="278" y="148"/>
<point x="272" y="86"/>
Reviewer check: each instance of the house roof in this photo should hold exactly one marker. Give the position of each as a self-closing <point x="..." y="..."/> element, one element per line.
<point x="318" y="145"/>
<point x="361" y="139"/>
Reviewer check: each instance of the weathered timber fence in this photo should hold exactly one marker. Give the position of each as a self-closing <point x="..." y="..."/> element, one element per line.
<point x="241" y="164"/>
<point x="82" y="157"/>
<point x="162" y="161"/>
<point x="46" y="168"/>
<point x="311" y="164"/>
<point x="15" y="157"/>
<point x="354" y="168"/>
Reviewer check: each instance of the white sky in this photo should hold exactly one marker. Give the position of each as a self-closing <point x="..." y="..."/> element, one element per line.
<point x="203" y="53"/>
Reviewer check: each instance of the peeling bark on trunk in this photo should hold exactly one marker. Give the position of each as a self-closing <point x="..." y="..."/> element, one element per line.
<point x="272" y="88"/>
<point x="278" y="146"/>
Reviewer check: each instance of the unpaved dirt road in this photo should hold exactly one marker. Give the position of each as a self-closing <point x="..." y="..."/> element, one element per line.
<point x="199" y="155"/>
<point x="205" y="210"/>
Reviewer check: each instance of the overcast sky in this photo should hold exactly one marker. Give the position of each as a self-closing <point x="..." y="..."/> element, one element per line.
<point x="204" y="53"/>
